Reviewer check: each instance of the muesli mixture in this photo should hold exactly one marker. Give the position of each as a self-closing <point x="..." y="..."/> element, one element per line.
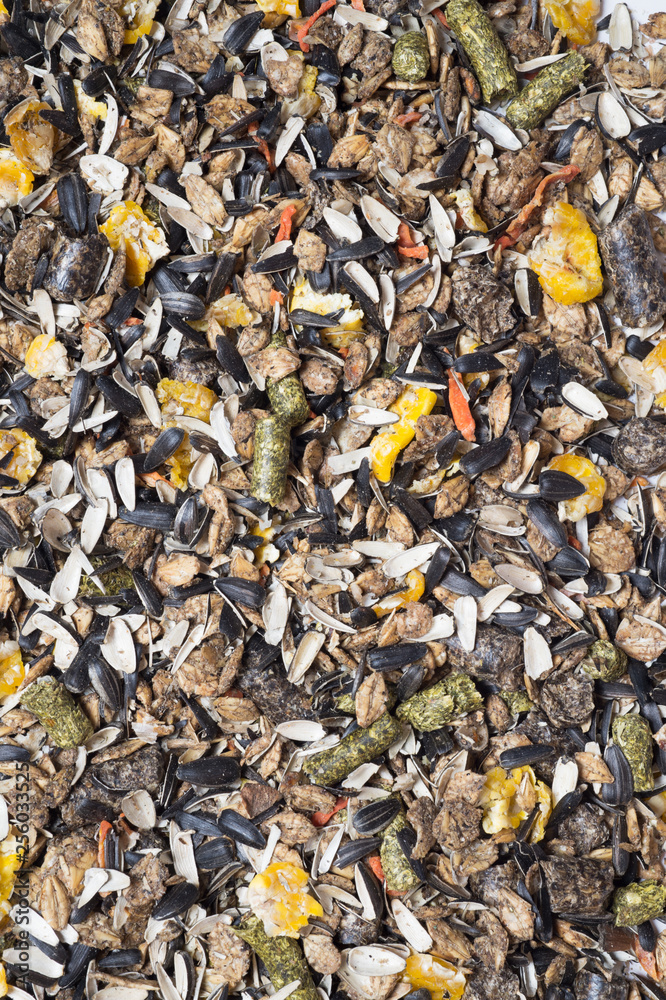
<point x="332" y="500"/>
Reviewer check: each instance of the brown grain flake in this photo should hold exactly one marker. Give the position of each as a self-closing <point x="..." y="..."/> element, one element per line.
<point x="371" y="699"/>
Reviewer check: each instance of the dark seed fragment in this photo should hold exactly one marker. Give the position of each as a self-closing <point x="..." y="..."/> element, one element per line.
<point x="211" y="772"/>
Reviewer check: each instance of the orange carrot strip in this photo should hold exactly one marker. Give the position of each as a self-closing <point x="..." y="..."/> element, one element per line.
<point x="104" y="828"/>
<point x="408" y="119"/>
<point x="519" y="224"/>
<point x="322" y="818"/>
<point x="420" y="252"/>
<point x="441" y="18"/>
<point x="263" y="146"/>
<point x="357" y="4"/>
<point x="375" y="863"/>
<point x="460" y="410"/>
<point x="404" y="236"/>
<point x="276" y="296"/>
<point x="284" y="232"/>
<point x="303" y="30"/>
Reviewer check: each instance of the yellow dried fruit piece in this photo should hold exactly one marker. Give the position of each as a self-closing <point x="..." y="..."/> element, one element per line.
<point x="468" y="212"/>
<point x="46" y="356"/>
<point x="129" y="226"/>
<point x="25" y="458"/>
<point x="231" y="311"/>
<point x="140" y="17"/>
<point x="12" y="671"/>
<point x="88" y="105"/>
<point x="588" y="476"/>
<point x="509" y="797"/>
<point x="414" y="590"/>
<point x="385" y="447"/>
<point x="288" y="8"/>
<point x="430" y="972"/>
<point x="189" y="398"/>
<point x="567" y="260"/>
<point x="9" y="865"/>
<point x="279" y="897"/>
<point x="31" y="138"/>
<point x="575" y="19"/>
<point x="15" y="179"/>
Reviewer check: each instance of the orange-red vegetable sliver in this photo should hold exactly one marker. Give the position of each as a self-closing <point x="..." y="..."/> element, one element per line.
<point x="460" y="410"/>
<point x="303" y="30"/>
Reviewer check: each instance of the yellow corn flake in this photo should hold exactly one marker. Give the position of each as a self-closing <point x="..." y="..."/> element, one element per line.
<point x="9" y="865"/>
<point x="655" y="365"/>
<point x="509" y="797"/>
<point x="181" y="463"/>
<point x="88" y="105"/>
<point x="279" y="897"/>
<point x="413" y="592"/>
<point x="442" y="979"/>
<point x="129" y="226"/>
<point x="15" y="179"/>
<point x="46" y="356"/>
<point x="140" y="17"/>
<point x="12" y="671"/>
<point x="25" y="458"/>
<point x="304" y="297"/>
<point x="288" y="8"/>
<point x="232" y="311"/>
<point x="188" y="398"/>
<point x="385" y="447"/>
<point x="588" y="476"/>
<point x="567" y="261"/>
<point x="3" y="976"/>
<point x="308" y="81"/>
<point x="31" y="138"/>
<point x="468" y="212"/>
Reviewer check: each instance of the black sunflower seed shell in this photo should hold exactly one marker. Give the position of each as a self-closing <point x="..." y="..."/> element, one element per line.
<point x="357" y="251"/>
<point x="119" y="399"/>
<point x="355" y="851"/>
<point x="376" y="816"/>
<point x="150" y="515"/>
<point x="168" y="442"/>
<point x="232" y="362"/>
<point x="241" y="591"/>
<point x="558" y="486"/>
<point x="10" y="752"/>
<point x="477" y="361"/>
<point x="149" y="594"/>
<point x="524" y="756"/>
<point x="214" y="854"/>
<point x="544" y="517"/>
<point x="485" y="457"/>
<point x="238" y="35"/>
<point x="395" y="657"/>
<point x="620" y="791"/>
<point x="183" y="304"/>
<point x="276" y="262"/>
<point x="73" y="201"/>
<point x="569" y="563"/>
<point x="177" y="899"/>
<point x="119" y="958"/>
<point x="233" y="825"/>
<point x="9" y="536"/>
<point x="79" y="396"/>
<point x="106" y="683"/>
<point x="210" y="772"/>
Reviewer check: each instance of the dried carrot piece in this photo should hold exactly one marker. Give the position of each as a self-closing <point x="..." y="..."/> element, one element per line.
<point x="376" y="865"/>
<point x="276" y="296"/>
<point x="304" y="28"/>
<point x="460" y="411"/>
<point x="322" y="818"/>
<point x="357" y="4"/>
<point x="519" y="224"/>
<point x="441" y="18"/>
<point x="408" y="119"/>
<point x="284" y="232"/>
<point x="104" y="828"/>
<point x="263" y="147"/>
<point x="406" y="245"/>
<point x="419" y="252"/>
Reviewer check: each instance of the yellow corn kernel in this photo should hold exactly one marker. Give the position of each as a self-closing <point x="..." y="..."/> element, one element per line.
<point x="46" y="356"/>
<point x="12" y="672"/>
<point x="586" y="473"/>
<point x="15" y="179"/>
<point x="3" y="977"/>
<point x="10" y="863"/>
<point x="468" y="212"/>
<point x="442" y="979"/>
<point x="413" y="592"/>
<point x="129" y="226"/>
<point x="230" y="310"/>
<point x="655" y="365"/>
<point x="279" y="896"/>
<point x="31" y="138"/>
<point x="288" y="8"/>
<point x="385" y="447"/>
<point x="509" y="797"/>
<point x="88" y="105"/>
<point x="189" y="398"/>
<point x="139" y="18"/>
<point x="567" y="261"/>
<point x="25" y="458"/>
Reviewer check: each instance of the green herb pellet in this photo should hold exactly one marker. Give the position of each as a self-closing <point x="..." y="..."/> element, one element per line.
<point x="271" y="458"/>
<point x="442" y="703"/>
<point x="360" y="747"/>
<point x="282" y="957"/>
<point x="62" y="718"/>
<point x="634" y="738"/>
<point x="542" y="94"/>
<point x="633" y="904"/>
<point x="485" y="51"/>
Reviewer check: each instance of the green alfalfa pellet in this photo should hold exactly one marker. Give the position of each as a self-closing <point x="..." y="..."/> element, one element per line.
<point x="58" y="712"/>
<point x="440" y="704"/>
<point x="271" y="459"/>
<point x="399" y="874"/>
<point x="484" y="49"/>
<point x="282" y="957"/>
<point x="542" y="94"/>
<point x="331" y="766"/>
<point x="286" y="394"/>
